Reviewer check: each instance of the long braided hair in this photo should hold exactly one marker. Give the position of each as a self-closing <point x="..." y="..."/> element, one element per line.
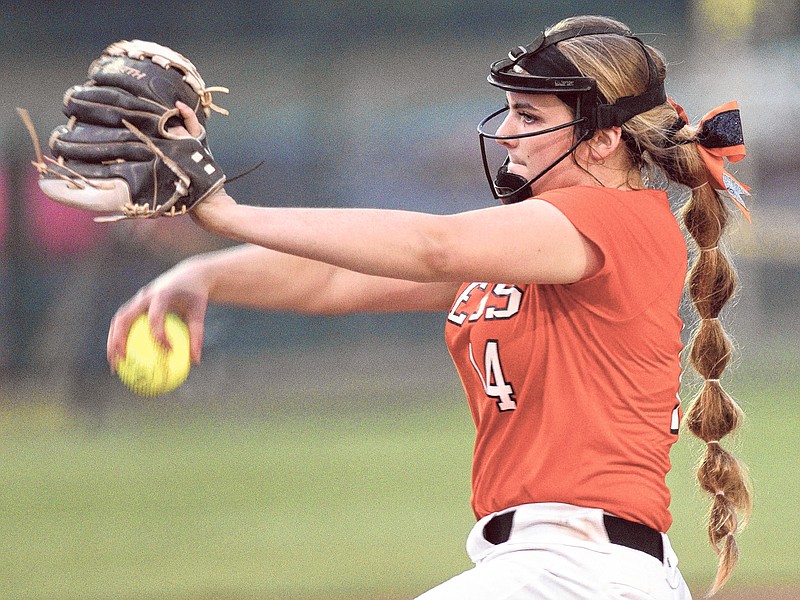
<point x="659" y="142"/>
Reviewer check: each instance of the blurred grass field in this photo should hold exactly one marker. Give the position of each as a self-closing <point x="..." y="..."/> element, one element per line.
<point x="360" y="504"/>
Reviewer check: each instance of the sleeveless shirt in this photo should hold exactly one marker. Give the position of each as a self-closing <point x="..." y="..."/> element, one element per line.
<point x="573" y="389"/>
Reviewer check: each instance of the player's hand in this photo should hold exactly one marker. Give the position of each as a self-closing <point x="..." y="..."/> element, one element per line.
<point x="219" y="199"/>
<point x="180" y="290"/>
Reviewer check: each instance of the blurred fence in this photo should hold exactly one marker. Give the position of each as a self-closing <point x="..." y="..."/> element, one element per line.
<point x="376" y="111"/>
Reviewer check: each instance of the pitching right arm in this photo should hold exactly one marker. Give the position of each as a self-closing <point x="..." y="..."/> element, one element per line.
<point x="255" y="277"/>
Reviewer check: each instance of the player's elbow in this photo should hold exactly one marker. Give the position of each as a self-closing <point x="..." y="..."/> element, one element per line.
<point x="436" y="252"/>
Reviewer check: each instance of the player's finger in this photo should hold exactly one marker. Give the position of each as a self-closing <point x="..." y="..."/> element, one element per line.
<point x="196" y="331"/>
<point x="111" y="351"/>
<point x="118" y="332"/>
<point x="190" y="120"/>
<point x="156" y="315"/>
<point x="194" y="317"/>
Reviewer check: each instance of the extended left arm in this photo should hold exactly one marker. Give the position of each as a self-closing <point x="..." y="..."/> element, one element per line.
<point x="528" y="242"/>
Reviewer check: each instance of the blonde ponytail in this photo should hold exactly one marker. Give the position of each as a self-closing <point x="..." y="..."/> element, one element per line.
<point x="661" y="142"/>
<point x="713" y="413"/>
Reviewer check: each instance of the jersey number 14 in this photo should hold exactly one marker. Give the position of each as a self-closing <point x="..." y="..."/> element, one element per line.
<point x="492" y="378"/>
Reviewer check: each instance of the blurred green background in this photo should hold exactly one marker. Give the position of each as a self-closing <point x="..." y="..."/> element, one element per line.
<point x="319" y="458"/>
<point x="327" y="503"/>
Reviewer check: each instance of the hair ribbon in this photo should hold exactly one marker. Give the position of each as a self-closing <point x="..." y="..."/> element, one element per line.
<point x="719" y="136"/>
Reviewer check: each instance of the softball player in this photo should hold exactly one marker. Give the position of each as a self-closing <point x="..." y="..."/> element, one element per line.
<point x="562" y="312"/>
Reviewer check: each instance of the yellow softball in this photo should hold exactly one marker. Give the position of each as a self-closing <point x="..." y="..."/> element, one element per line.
<point x="149" y="369"/>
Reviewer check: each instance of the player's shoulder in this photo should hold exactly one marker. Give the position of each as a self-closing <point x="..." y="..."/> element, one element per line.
<point x="593" y="197"/>
<point x="614" y="210"/>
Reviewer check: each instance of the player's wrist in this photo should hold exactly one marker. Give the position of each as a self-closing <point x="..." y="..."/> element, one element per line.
<point x="211" y="213"/>
<point x="202" y="275"/>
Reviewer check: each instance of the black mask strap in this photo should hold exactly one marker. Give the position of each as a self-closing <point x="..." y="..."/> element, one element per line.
<point x="627" y="107"/>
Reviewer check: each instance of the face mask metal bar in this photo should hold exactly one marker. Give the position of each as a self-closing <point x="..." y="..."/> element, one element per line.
<point x="483" y="135"/>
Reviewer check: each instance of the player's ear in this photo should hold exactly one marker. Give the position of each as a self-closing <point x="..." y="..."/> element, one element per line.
<point x="603" y="144"/>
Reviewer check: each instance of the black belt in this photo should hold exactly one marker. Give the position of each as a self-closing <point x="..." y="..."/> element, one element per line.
<point x="620" y="531"/>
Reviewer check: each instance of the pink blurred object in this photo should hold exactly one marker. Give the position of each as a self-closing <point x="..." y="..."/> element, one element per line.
<point x="59" y="229"/>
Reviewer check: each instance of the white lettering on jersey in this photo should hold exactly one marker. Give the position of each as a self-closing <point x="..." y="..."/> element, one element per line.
<point x="511" y="293"/>
<point x="675" y="421"/>
<point x="459" y="317"/>
<point x="514" y="295"/>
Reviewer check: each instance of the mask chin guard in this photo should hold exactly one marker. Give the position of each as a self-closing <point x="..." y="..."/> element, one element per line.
<point x="509" y="187"/>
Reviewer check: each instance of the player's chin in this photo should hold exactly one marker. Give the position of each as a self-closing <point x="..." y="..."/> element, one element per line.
<point x="518" y="169"/>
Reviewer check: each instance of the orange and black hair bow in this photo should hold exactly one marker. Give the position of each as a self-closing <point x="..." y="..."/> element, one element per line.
<point x="719" y="136"/>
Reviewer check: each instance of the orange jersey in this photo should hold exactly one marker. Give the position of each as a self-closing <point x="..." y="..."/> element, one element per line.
<point x="574" y="388"/>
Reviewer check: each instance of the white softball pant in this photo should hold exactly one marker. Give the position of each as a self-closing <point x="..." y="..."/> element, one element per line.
<point x="561" y="552"/>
